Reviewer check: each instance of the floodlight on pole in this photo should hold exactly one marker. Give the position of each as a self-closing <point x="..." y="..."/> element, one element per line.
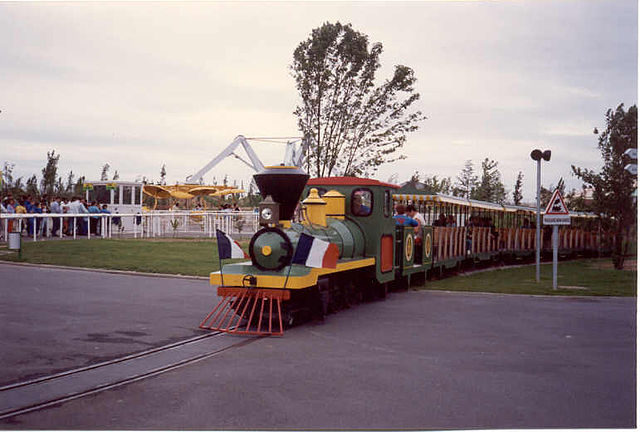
<point x="537" y="155"/>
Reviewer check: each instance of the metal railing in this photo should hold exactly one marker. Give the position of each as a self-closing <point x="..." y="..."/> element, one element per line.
<point x="137" y="225"/>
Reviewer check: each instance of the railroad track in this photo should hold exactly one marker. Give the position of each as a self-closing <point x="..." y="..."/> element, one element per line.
<point x="42" y="392"/>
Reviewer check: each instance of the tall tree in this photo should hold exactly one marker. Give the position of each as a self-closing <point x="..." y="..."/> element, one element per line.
<point x="490" y="187"/>
<point x="78" y="187"/>
<point x="32" y="186"/>
<point x="163" y="175"/>
<point x="435" y="185"/>
<point x="517" y="189"/>
<point x="17" y="188"/>
<point x="466" y="181"/>
<point x="613" y="186"/>
<point x="70" y="184"/>
<point x="352" y="125"/>
<point x="49" y="174"/>
<point x="59" y="187"/>
<point x="105" y="172"/>
<point x="7" y="176"/>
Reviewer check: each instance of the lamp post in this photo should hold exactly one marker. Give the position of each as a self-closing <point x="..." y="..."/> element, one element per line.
<point x="537" y="155"/>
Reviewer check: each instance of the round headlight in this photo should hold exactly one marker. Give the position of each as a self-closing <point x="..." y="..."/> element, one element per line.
<point x="266" y="213"/>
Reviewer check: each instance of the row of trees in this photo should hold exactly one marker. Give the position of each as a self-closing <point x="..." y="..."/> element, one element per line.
<point x="49" y="184"/>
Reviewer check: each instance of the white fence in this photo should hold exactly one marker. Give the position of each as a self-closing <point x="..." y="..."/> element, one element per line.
<point x="138" y="225"/>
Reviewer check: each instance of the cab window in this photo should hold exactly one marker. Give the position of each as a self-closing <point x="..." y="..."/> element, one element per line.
<point x="387" y="203"/>
<point x="361" y="202"/>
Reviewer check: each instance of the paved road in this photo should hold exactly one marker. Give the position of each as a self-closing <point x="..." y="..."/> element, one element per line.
<point x="417" y="360"/>
<point x="55" y="319"/>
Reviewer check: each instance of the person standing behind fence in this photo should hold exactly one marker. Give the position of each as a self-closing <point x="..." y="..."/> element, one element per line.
<point x="37" y="222"/>
<point x="10" y="210"/>
<point x="20" y="209"/>
<point x="76" y="207"/>
<point x="94" y="209"/>
<point x="55" y="209"/>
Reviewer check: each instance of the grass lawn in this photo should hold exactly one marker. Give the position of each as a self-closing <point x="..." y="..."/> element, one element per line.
<point x="200" y="257"/>
<point x="593" y="277"/>
<point x="174" y="256"/>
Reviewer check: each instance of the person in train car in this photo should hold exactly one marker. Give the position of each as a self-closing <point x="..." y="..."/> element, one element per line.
<point x="357" y="206"/>
<point x="441" y="221"/>
<point x="412" y="212"/>
<point x="451" y="222"/>
<point x="402" y="219"/>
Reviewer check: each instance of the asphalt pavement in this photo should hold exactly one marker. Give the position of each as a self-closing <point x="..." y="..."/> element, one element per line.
<point x="419" y="360"/>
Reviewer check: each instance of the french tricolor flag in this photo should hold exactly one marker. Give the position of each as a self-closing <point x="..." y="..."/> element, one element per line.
<point x="228" y="247"/>
<point x="313" y="252"/>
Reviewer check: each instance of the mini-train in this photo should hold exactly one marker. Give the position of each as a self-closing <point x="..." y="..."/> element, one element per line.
<point x="375" y="255"/>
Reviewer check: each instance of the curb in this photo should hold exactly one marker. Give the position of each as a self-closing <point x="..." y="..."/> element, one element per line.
<point x="99" y="270"/>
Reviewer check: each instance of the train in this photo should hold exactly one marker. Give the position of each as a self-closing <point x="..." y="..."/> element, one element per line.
<point x="270" y="293"/>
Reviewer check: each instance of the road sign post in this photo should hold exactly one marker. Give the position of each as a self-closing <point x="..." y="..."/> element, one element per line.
<point x="556" y="214"/>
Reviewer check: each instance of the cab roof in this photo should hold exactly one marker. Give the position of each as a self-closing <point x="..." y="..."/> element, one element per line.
<point x="348" y="181"/>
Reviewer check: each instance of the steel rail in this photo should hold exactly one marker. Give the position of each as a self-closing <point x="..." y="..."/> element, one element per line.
<point x="33" y="404"/>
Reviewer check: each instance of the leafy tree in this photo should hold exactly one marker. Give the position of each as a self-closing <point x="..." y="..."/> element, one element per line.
<point x="545" y="196"/>
<point x="59" y="187"/>
<point x="105" y="172"/>
<point x="163" y="175"/>
<point x="352" y="125"/>
<point x="415" y="178"/>
<point x="77" y="188"/>
<point x="435" y="185"/>
<point x="576" y="202"/>
<point x="517" y="189"/>
<point x="32" y="186"/>
<point x="613" y="186"/>
<point x="490" y="187"/>
<point x="17" y="188"/>
<point x="7" y="176"/>
<point x="466" y="182"/>
<point x="546" y="193"/>
<point x="49" y="174"/>
<point x="70" y="183"/>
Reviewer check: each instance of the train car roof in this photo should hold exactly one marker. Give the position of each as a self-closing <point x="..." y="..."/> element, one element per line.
<point x="348" y="181"/>
<point x="464" y="202"/>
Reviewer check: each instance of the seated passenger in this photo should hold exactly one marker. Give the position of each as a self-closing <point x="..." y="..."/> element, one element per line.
<point x="412" y="212"/>
<point x="451" y="222"/>
<point x="402" y="219"/>
<point x="441" y="221"/>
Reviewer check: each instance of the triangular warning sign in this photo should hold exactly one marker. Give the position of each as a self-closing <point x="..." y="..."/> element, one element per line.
<point x="556" y="205"/>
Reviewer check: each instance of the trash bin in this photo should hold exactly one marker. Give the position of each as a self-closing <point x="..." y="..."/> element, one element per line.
<point x="14" y="241"/>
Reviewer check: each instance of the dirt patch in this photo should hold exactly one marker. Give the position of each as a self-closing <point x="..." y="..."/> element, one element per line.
<point x="629" y="265"/>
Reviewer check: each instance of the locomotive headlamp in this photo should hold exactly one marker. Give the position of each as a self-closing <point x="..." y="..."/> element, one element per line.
<point x="269" y="211"/>
<point x="266" y="214"/>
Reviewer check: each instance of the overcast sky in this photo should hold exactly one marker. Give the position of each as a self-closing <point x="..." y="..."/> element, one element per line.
<point x="138" y="85"/>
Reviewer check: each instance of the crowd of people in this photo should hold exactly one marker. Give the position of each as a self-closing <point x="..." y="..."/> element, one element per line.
<point x="56" y="205"/>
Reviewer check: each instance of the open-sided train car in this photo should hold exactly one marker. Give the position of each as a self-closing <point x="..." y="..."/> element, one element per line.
<point x="356" y="215"/>
<point x="481" y="231"/>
